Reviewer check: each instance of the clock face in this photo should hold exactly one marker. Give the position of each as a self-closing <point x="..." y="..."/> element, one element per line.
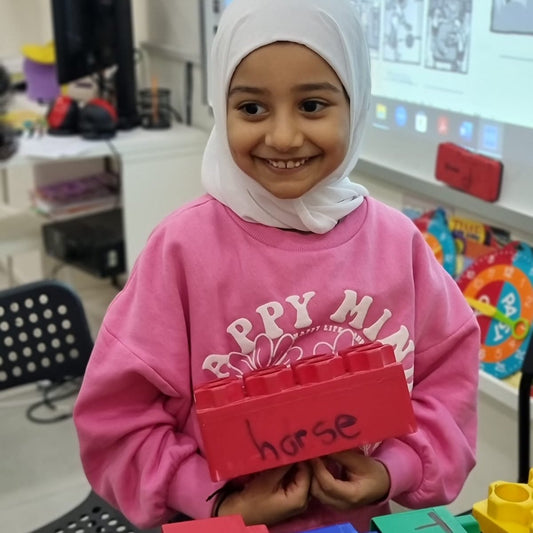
<point x="499" y="287"/>
<point x="438" y="235"/>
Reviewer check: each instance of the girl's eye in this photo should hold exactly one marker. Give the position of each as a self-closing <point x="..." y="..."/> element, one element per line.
<point x="252" y="109"/>
<point x="312" y="106"/>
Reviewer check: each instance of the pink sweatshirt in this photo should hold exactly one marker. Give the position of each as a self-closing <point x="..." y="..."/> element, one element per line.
<point x="214" y="296"/>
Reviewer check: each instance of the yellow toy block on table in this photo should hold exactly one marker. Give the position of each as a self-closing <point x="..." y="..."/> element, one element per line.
<point x="508" y="508"/>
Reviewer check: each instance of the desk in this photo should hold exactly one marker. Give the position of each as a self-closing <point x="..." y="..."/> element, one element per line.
<point x="160" y="170"/>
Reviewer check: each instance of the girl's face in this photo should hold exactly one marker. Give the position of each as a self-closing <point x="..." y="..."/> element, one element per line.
<point x="288" y="118"/>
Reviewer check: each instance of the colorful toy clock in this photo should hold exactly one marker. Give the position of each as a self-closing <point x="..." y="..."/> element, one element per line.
<point x="499" y="287"/>
<point x="434" y="227"/>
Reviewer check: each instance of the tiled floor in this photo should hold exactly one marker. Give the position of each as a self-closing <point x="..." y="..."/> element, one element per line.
<point x="40" y="473"/>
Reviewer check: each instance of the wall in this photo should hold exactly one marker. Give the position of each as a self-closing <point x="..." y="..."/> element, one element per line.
<point x="173" y="44"/>
<point x="175" y="23"/>
<point x="18" y="28"/>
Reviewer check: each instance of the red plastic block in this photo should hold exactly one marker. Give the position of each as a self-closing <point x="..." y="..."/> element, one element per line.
<point x="222" y="524"/>
<point x="467" y="171"/>
<point x="320" y="405"/>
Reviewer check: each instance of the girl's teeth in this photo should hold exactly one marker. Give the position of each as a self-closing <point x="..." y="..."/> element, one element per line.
<point x="287" y="164"/>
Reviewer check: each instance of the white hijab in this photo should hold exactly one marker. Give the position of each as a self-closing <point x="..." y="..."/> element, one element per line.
<point x="331" y="29"/>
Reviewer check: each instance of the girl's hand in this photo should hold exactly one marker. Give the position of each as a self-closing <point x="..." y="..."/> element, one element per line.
<point x="365" y="481"/>
<point x="272" y="496"/>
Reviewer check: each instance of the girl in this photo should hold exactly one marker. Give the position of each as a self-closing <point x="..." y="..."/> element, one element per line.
<point x="284" y="258"/>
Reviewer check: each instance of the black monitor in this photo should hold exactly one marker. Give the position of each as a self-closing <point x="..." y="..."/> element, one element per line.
<point x="91" y="36"/>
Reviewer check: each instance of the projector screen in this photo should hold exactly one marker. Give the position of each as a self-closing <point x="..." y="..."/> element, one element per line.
<point x="452" y="70"/>
<point x="446" y="71"/>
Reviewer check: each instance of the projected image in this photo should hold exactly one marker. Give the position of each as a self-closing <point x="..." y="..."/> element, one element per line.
<point x="403" y="21"/>
<point x="369" y="12"/>
<point x="448" y="38"/>
<point x="512" y="16"/>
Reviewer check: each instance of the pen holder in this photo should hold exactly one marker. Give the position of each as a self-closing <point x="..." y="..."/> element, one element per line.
<point x="155" y="109"/>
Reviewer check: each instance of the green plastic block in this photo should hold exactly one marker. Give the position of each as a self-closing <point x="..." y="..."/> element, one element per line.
<point x="430" y="520"/>
<point x="470" y="524"/>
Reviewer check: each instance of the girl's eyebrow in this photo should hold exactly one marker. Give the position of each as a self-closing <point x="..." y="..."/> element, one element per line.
<point x="304" y="87"/>
<point x="246" y="89"/>
<point x="323" y="86"/>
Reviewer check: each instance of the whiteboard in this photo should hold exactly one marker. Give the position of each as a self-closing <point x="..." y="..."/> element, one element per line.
<point x="452" y="71"/>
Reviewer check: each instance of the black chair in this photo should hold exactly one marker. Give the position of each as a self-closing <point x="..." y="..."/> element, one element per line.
<point x="45" y="337"/>
<point x="44" y="334"/>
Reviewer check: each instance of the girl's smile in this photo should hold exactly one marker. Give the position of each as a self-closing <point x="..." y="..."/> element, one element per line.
<point x="287" y="118"/>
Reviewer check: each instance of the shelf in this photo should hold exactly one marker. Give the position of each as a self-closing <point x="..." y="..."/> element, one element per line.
<point x="500" y="391"/>
<point x="495" y="213"/>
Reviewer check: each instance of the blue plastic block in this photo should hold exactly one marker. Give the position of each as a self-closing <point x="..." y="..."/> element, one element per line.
<point x="340" y="528"/>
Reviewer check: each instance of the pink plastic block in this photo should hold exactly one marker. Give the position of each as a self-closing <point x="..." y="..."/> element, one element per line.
<point x="319" y="405"/>
<point x="222" y="524"/>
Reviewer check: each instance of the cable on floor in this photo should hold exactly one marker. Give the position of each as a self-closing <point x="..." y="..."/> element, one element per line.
<point x="52" y="394"/>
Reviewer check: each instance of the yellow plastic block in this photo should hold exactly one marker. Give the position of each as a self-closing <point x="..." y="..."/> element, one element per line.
<point x="508" y="508"/>
<point x="45" y="54"/>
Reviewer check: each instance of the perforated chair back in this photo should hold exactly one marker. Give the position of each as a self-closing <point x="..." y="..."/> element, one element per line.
<point x="44" y="334"/>
<point x="93" y="515"/>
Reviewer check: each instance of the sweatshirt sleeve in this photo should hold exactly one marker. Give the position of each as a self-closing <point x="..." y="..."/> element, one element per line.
<point x="134" y="415"/>
<point x="429" y="467"/>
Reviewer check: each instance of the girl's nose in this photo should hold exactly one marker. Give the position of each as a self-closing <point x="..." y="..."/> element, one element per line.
<point x="284" y="133"/>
